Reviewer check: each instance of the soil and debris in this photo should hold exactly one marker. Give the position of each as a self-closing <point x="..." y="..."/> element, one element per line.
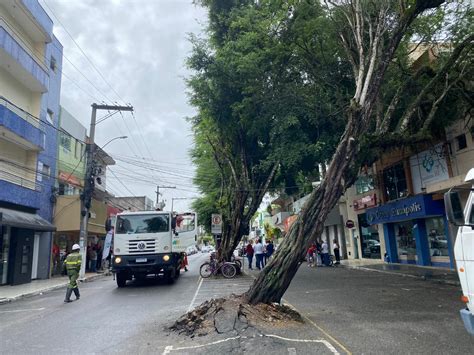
<point x="233" y="315"/>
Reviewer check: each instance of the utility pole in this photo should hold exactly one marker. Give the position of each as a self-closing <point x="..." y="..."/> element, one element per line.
<point x="89" y="180"/>
<point x="158" y="193"/>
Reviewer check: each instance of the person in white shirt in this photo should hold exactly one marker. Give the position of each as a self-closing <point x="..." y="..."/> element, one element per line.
<point x="258" y="251"/>
<point x="337" y="253"/>
<point x="325" y="253"/>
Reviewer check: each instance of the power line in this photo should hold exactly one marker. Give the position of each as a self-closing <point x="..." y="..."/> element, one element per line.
<point x="82" y="51"/>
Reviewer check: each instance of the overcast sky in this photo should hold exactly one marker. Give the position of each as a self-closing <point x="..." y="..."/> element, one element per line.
<point x="140" y="47"/>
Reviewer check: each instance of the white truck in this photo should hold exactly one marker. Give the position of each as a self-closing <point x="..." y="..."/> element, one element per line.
<point x="151" y="243"/>
<point x="464" y="245"/>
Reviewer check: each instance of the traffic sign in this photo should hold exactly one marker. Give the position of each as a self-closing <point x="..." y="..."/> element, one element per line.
<point x="216" y="224"/>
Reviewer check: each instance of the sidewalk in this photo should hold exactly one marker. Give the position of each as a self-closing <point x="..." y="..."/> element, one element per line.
<point x="38" y="287"/>
<point x="434" y="274"/>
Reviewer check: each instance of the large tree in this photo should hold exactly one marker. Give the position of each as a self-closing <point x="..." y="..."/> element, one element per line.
<point x="373" y="34"/>
<point x="253" y="98"/>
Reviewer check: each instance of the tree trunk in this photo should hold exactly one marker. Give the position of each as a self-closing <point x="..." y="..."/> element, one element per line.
<point x="275" y="278"/>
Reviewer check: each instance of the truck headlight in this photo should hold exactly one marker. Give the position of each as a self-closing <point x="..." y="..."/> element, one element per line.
<point x="166" y="257"/>
<point x="118" y="260"/>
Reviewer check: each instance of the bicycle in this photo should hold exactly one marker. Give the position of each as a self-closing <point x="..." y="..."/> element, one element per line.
<point x="209" y="268"/>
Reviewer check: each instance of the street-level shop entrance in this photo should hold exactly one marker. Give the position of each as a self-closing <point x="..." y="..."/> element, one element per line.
<point x="415" y="230"/>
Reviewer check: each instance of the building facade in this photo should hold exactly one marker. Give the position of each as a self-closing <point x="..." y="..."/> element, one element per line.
<point x="30" y="84"/>
<point x="395" y="211"/>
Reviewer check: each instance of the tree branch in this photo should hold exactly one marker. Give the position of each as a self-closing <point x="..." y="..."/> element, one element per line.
<point x="405" y="120"/>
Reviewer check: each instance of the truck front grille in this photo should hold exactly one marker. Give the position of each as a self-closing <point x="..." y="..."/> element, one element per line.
<point x="141" y="246"/>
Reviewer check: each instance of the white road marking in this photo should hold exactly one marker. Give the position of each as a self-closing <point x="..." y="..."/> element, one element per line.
<point x="322" y="341"/>
<point x="195" y="295"/>
<point x="170" y="348"/>
<point x="23" y="310"/>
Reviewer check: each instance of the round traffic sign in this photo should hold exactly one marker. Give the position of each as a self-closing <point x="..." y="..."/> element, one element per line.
<point x="216" y="220"/>
<point x="350" y="224"/>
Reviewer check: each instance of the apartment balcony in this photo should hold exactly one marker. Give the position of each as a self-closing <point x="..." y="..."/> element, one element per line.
<point x="26" y="66"/>
<point x="19" y="127"/>
<point x="35" y="20"/>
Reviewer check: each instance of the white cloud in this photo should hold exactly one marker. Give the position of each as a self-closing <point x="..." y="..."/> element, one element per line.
<point x="140" y="46"/>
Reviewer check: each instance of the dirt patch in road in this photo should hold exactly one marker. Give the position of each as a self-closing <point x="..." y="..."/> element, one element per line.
<point x="232" y="315"/>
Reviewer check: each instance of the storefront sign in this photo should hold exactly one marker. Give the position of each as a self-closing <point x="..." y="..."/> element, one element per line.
<point x="420" y="206"/>
<point x="69" y="178"/>
<point x="365" y="202"/>
<point x="428" y="167"/>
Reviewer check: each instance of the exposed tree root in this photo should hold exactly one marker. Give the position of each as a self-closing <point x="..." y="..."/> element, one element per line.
<point x="232" y="315"/>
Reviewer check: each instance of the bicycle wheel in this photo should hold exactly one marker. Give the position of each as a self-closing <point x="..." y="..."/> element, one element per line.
<point x="228" y="270"/>
<point x="238" y="262"/>
<point x="205" y="270"/>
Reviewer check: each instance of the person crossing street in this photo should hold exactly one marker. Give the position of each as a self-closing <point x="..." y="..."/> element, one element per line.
<point x="73" y="266"/>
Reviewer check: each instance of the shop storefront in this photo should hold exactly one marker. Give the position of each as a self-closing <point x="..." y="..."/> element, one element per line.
<point x="415" y="230"/>
<point x="25" y="242"/>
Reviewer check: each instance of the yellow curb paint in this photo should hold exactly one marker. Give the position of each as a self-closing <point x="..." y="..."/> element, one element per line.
<point x="319" y="328"/>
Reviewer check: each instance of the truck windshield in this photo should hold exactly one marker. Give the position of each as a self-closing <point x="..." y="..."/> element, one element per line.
<point x="133" y="224"/>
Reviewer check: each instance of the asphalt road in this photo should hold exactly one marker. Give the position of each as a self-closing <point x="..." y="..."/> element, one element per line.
<point x="105" y="319"/>
<point x="374" y="313"/>
<point x="349" y="311"/>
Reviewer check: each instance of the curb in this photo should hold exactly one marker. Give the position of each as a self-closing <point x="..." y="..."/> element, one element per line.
<point x="440" y="281"/>
<point x="48" y="289"/>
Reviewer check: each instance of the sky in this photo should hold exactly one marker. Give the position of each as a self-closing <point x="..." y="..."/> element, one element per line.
<point x="139" y="48"/>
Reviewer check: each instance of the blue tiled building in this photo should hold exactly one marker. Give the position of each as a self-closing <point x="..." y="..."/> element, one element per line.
<point x="30" y="84"/>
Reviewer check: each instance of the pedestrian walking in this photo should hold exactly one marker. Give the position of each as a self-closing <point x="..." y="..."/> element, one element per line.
<point x="249" y="253"/>
<point x="93" y="258"/>
<point x="325" y="253"/>
<point x="269" y="250"/>
<point x="337" y="253"/>
<point x="258" y="251"/>
<point x="72" y="264"/>
<point x="311" y="254"/>
<point x="184" y="262"/>
<point x="318" y="253"/>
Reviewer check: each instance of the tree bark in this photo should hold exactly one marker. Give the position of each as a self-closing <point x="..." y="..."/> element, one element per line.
<point x="275" y="278"/>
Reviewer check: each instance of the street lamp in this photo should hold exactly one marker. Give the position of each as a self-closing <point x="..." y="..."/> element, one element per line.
<point x="113" y="139"/>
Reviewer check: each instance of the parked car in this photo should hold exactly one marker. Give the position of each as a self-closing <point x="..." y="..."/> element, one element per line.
<point x="207" y="249"/>
<point x="191" y="250"/>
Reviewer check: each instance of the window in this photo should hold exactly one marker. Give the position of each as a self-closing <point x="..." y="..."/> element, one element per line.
<point x="185" y="223"/>
<point x="406" y="242"/>
<point x="461" y="142"/>
<point x="46" y="171"/>
<point x="395" y="182"/>
<point x="65" y="142"/>
<point x="364" y="184"/>
<point x="134" y="224"/>
<point x="52" y="63"/>
<point x="78" y="150"/>
<point x="50" y="116"/>
<point x="438" y="242"/>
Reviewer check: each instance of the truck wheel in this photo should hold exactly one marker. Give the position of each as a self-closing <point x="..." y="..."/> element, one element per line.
<point x="169" y="277"/>
<point x="121" y="279"/>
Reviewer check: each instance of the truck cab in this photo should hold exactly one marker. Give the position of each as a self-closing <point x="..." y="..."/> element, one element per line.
<point x="151" y="243"/>
<point x="463" y="218"/>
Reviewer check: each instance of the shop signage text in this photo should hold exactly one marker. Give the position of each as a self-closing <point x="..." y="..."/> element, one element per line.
<point x="409" y="208"/>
